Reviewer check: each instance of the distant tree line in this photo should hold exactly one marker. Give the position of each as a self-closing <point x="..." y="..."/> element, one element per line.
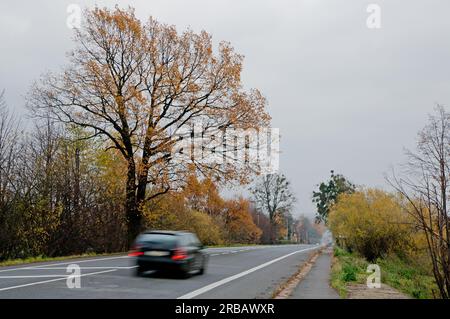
<point x="62" y="193"/>
<point x="59" y="194"/>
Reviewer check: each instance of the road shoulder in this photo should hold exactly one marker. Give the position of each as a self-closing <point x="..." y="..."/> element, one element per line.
<point x="316" y="284"/>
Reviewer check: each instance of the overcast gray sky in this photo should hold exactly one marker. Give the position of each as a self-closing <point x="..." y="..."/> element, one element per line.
<point x="344" y="96"/>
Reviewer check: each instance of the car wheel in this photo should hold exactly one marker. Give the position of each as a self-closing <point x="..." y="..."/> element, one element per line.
<point x="139" y="272"/>
<point x="203" y="268"/>
<point x="185" y="274"/>
<point x="185" y="271"/>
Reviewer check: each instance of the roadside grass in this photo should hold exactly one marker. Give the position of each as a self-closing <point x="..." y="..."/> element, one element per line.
<point x="406" y="276"/>
<point x="346" y="268"/>
<point x="38" y="259"/>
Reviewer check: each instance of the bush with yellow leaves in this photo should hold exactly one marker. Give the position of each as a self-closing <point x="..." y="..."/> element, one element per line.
<point x="372" y="223"/>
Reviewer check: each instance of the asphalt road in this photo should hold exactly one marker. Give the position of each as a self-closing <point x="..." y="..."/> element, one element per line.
<point x="233" y="272"/>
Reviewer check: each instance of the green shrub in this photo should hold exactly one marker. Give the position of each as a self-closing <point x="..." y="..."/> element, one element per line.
<point x="349" y="272"/>
<point x="340" y="252"/>
<point x="406" y="275"/>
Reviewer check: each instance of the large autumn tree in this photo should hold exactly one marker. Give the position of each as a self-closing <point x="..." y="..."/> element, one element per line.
<point x="141" y="86"/>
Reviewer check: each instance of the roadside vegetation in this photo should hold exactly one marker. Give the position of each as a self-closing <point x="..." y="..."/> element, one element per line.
<point x="405" y="275"/>
<point x="405" y="232"/>
<point x="371" y="227"/>
<point x="38" y="259"/>
<point x="347" y="268"/>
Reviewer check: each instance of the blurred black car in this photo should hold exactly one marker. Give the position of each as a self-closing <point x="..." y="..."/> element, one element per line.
<point x="177" y="251"/>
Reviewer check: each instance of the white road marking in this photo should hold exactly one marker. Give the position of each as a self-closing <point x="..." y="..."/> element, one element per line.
<point x="209" y="287"/>
<point x="230" y="252"/>
<point x="74" y="261"/>
<point x="82" y="268"/>
<point x="110" y="258"/>
<point x="36" y="276"/>
<point x="53" y="280"/>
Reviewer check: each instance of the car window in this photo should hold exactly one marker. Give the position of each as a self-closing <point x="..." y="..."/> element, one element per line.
<point x="195" y="240"/>
<point x="185" y="240"/>
<point x="156" y="239"/>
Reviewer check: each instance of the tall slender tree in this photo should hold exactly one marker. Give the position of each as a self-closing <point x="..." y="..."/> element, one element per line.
<point x="274" y="196"/>
<point x="426" y="189"/>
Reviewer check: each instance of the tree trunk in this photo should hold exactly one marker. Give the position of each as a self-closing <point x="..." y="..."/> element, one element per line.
<point x="134" y="217"/>
<point x="142" y="185"/>
<point x="273" y="232"/>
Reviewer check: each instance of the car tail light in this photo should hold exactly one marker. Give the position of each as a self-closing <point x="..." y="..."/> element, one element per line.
<point x="135" y="251"/>
<point x="179" y="254"/>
